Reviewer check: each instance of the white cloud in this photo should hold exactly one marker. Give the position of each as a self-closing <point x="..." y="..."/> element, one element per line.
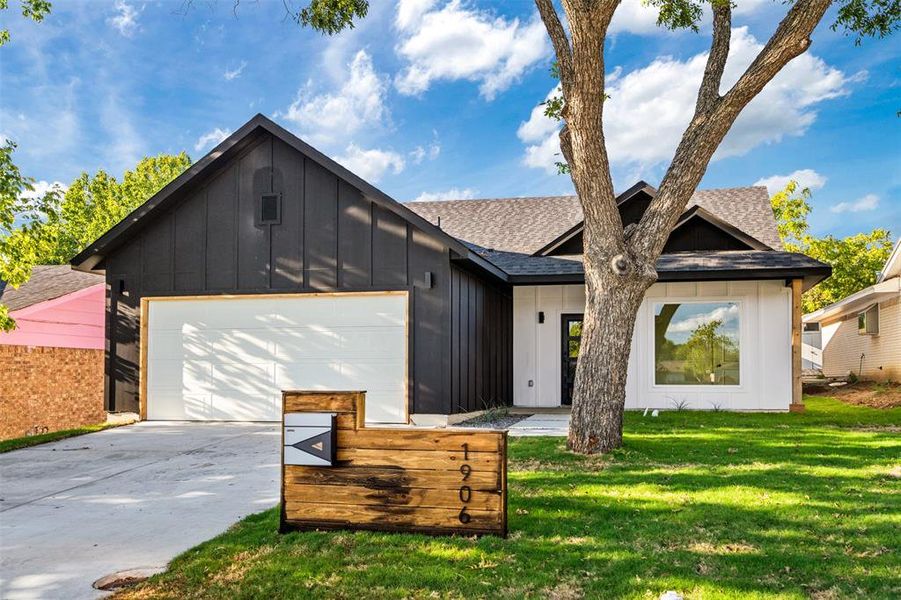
<point x="650" y="107"/>
<point x="231" y="74"/>
<point x="868" y="202"/>
<point x="540" y="133"/>
<point x="125" y="21"/>
<point x="420" y="153"/>
<point x="410" y="12"/>
<point x="330" y="116"/>
<point x="211" y="138"/>
<point x="635" y="16"/>
<point x="640" y="18"/>
<point x="126" y="145"/>
<point x="806" y="178"/>
<point x="451" y="194"/>
<point x="720" y="313"/>
<point x="42" y="187"/>
<point x="462" y="42"/>
<point x="371" y="164"/>
<point x="417" y="154"/>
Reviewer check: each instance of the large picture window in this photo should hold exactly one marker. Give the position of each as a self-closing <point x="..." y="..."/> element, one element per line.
<point x="697" y="343"/>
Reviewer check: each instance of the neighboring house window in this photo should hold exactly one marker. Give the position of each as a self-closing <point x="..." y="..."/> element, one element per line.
<point x="868" y="321"/>
<point x="811" y="327"/>
<point x="270" y="209"/>
<point x="697" y="343"/>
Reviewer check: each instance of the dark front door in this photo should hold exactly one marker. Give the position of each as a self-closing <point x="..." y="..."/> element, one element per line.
<point x="572" y="338"/>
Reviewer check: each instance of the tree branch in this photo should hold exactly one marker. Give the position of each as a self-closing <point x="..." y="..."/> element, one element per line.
<point x="558" y="38"/>
<point x="705" y="133"/>
<point x="791" y="39"/>
<point x="709" y="92"/>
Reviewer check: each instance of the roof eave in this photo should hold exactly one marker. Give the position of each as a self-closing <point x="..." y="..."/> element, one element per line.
<point x="811" y="275"/>
<point x="869" y="295"/>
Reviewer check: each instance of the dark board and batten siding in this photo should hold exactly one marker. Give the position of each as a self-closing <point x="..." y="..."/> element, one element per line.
<point x="330" y="238"/>
<point x="481" y="343"/>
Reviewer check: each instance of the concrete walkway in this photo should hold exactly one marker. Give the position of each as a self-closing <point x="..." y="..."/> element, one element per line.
<point x="555" y="424"/>
<point x="131" y="497"/>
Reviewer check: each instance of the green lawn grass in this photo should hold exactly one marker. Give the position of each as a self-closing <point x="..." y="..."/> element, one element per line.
<point x="34" y="440"/>
<point x="713" y="505"/>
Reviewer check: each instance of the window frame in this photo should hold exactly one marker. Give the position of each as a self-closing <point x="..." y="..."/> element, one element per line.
<point x="258" y="216"/>
<point x="694" y="387"/>
<point x="865" y="330"/>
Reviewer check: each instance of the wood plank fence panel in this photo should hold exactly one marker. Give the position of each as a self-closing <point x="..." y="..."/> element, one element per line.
<point x="436" y="481"/>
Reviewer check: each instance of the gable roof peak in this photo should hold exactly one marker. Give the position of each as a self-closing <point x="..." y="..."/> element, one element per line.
<point x="89" y="258"/>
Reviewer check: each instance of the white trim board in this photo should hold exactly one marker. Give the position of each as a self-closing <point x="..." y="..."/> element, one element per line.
<point x="765" y="354"/>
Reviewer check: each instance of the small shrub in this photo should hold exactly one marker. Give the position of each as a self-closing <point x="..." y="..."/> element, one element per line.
<point x="680" y="405"/>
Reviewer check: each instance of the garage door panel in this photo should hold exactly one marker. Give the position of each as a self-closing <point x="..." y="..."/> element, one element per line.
<point x="370" y="342"/>
<point x="382" y="311"/>
<point x="229" y="359"/>
<point x="312" y="375"/>
<point x="237" y="406"/>
<point x="300" y="343"/>
<point x="240" y="346"/>
<point x="312" y="312"/>
<point x="250" y="379"/>
<point x="380" y="408"/>
<point x="176" y="405"/>
<point x="181" y="375"/>
<point x="378" y="374"/>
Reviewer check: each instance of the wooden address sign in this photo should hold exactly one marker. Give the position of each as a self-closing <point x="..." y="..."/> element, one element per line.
<point x="339" y="474"/>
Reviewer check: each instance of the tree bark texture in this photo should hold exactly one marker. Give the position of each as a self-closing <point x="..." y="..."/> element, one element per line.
<point x="611" y="305"/>
<point x="620" y="265"/>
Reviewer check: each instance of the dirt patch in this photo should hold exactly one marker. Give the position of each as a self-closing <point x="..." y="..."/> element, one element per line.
<point x="865" y="393"/>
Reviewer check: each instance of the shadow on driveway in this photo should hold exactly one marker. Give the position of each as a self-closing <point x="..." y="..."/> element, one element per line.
<point x="130" y="497"/>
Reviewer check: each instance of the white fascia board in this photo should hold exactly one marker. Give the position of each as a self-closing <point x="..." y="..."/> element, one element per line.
<point x="874" y="293"/>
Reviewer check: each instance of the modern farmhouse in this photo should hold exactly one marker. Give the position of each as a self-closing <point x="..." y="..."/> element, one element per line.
<point x="267" y="266"/>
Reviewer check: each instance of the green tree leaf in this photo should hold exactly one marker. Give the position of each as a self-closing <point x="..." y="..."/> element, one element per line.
<point x="35" y="10"/>
<point x="855" y="260"/>
<point x="55" y="227"/>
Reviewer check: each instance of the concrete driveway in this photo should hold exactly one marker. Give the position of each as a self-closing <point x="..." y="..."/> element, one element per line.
<point x="136" y="496"/>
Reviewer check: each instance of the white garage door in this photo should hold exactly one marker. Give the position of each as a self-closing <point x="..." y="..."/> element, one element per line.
<point x="228" y="359"/>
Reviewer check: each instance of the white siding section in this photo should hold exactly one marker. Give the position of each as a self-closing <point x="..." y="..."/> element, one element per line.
<point x="843" y="346"/>
<point x="230" y="359"/>
<point x="765" y="346"/>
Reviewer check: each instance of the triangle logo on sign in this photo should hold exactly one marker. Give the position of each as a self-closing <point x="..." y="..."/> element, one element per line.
<point x="319" y="446"/>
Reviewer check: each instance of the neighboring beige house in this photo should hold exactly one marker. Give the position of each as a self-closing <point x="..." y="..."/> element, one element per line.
<point x="861" y="334"/>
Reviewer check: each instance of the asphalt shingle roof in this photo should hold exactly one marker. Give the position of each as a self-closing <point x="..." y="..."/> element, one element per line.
<point x="747" y="208"/>
<point x="528" y="224"/>
<point x="509" y="224"/>
<point x="47" y="282"/>
<point x="520" y="264"/>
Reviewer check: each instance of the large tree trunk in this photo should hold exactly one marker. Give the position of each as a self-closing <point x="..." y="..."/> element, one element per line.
<point x="620" y="263"/>
<point x="611" y="305"/>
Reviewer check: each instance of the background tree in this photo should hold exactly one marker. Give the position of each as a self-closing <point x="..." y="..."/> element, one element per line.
<point x="620" y="263"/>
<point x="791" y="207"/>
<point x="53" y="228"/>
<point x="707" y="349"/>
<point x="35" y="10"/>
<point x="12" y="185"/>
<point x="855" y="260"/>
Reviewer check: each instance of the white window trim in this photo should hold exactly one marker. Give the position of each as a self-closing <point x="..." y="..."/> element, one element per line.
<point x="742" y="335"/>
<point x="878" y="320"/>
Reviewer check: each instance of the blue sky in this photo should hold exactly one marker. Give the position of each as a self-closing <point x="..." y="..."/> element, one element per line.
<point x="436" y="99"/>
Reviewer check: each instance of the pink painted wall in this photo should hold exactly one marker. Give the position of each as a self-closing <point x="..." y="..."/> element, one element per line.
<point x="75" y="320"/>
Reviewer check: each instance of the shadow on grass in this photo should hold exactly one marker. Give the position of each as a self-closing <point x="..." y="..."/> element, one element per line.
<point x="713" y="507"/>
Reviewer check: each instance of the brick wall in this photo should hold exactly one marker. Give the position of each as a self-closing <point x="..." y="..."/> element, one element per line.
<point x="52" y="388"/>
